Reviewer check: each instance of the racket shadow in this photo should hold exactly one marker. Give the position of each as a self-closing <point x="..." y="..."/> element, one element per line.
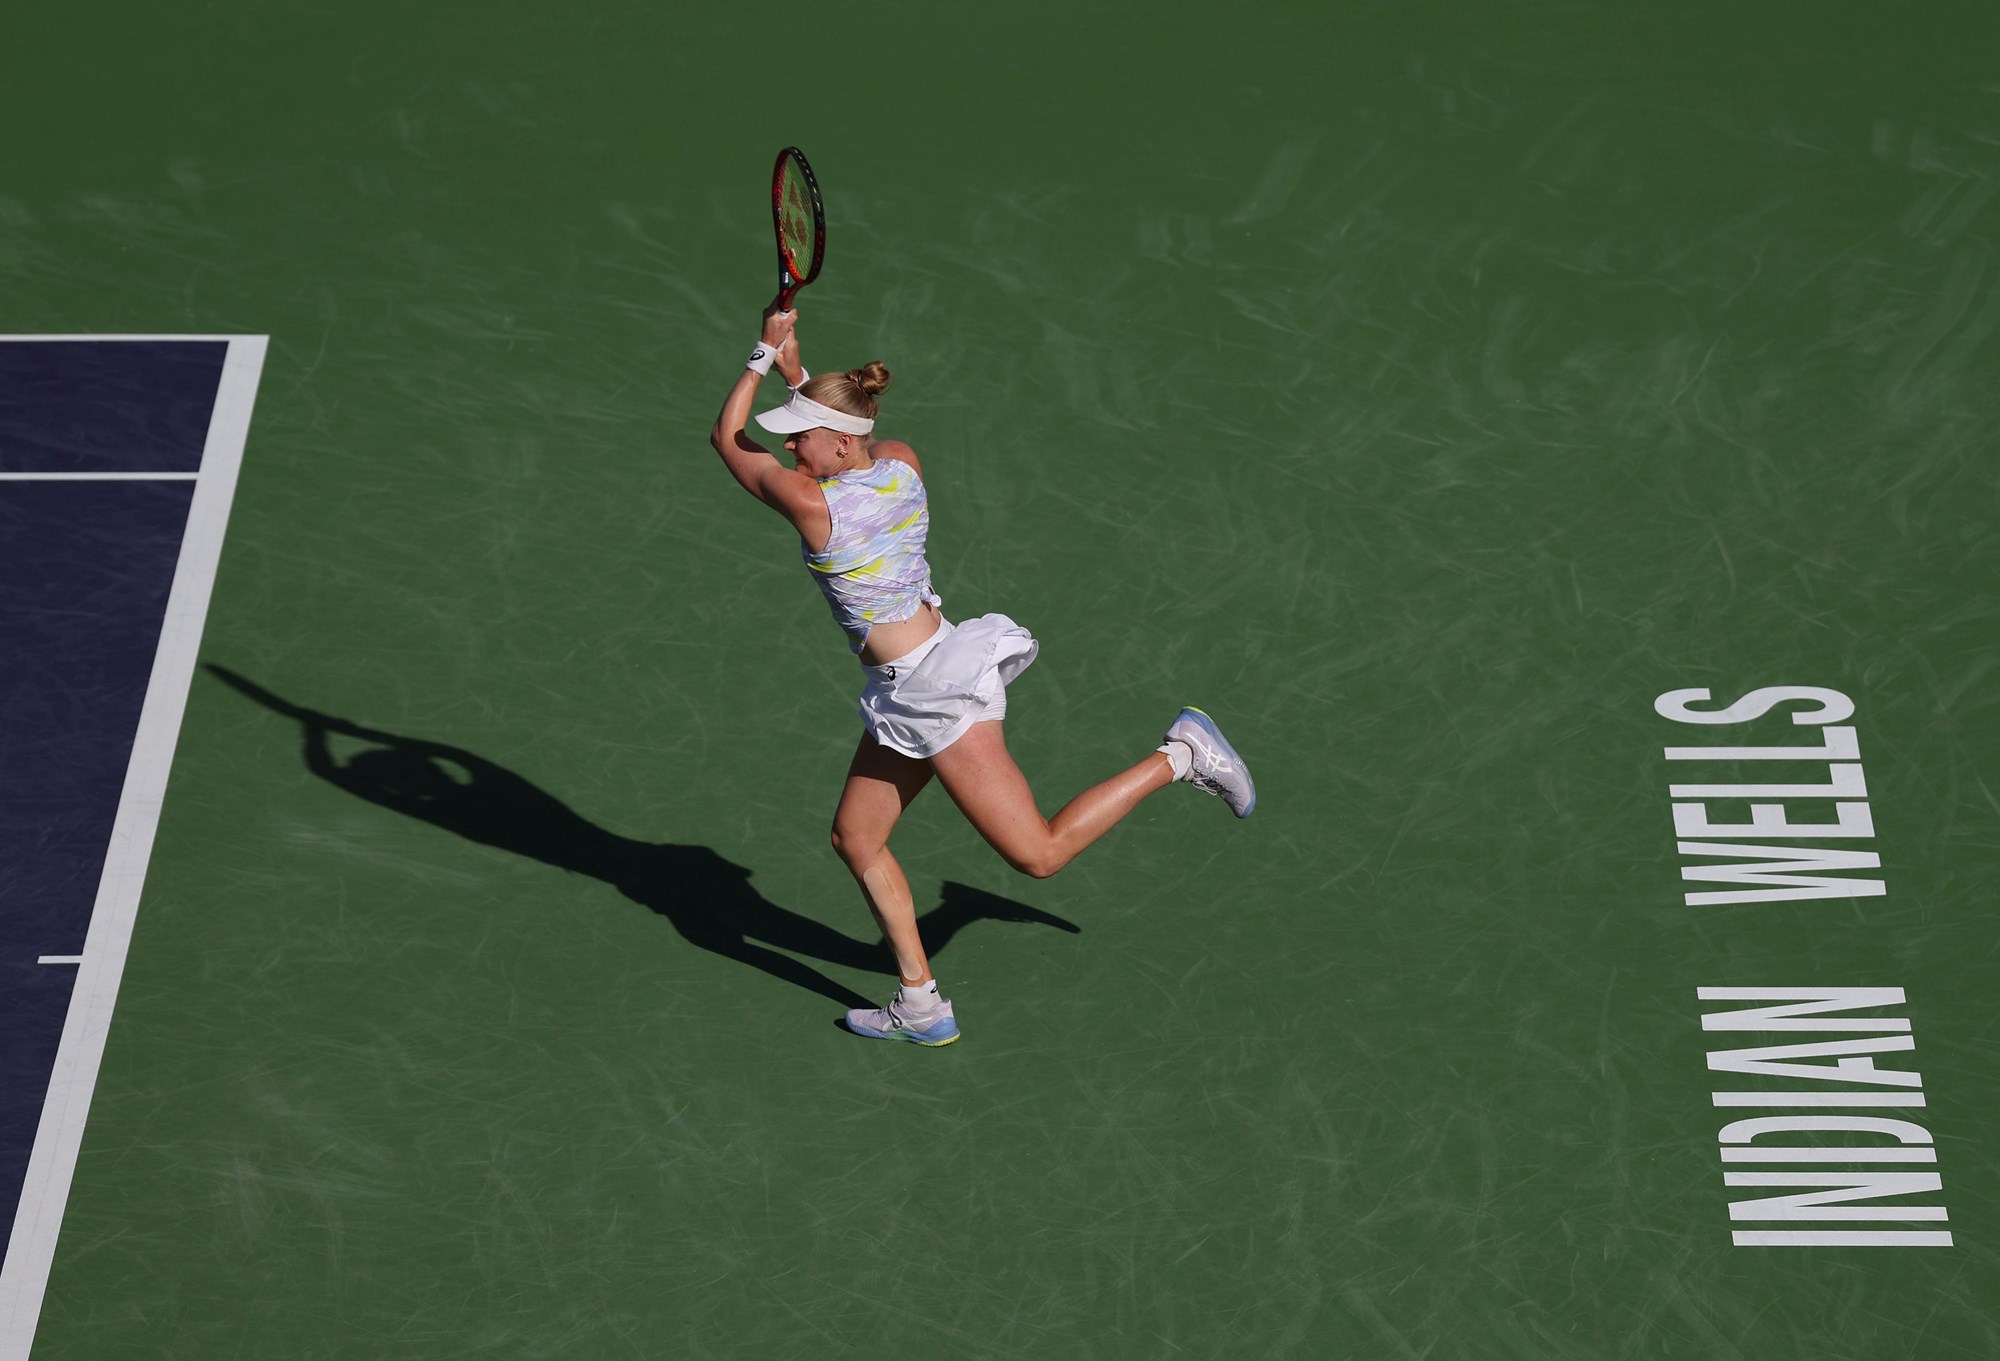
<point x="708" y="899"/>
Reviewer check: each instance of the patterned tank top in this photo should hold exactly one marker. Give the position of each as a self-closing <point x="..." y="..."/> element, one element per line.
<point x="872" y="570"/>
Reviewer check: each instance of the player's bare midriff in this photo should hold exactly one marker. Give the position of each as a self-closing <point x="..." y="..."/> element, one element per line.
<point x="886" y="642"/>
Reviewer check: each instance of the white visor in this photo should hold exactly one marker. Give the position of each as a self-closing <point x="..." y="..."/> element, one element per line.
<point x="803" y="413"/>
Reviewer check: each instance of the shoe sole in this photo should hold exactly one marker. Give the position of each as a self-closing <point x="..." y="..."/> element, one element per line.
<point x="1208" y="725"/>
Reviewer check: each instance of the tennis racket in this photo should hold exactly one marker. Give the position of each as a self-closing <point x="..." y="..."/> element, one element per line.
<point x="801" y="222"/>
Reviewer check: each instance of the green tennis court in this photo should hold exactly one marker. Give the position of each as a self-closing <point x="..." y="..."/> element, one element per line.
<point x="1424" y="391"/>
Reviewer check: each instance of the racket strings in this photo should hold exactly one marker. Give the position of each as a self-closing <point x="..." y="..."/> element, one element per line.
<point x="795" y="217"/>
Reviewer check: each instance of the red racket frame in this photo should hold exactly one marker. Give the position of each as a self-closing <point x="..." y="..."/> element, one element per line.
<point x="790" y="280"/>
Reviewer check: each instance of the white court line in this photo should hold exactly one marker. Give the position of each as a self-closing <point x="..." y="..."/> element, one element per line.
<point x="59" y="959"/>
<point x="31" y="1250"/>
<point x="93" y="339"/>
<point x="98" y="477"/>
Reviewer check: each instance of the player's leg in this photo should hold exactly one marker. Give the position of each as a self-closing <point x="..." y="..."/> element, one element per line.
<point x="880" y="785"/>
<point x="980" y="775"/>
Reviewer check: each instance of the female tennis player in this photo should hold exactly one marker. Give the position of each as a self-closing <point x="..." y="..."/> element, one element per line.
<point x="934" y="693"/>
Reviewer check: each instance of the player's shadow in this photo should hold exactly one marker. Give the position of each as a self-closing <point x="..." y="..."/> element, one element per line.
<point x="708" y="899"/>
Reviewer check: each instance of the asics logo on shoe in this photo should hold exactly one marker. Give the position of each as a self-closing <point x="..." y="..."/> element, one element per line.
<point x="1209" y="755"/>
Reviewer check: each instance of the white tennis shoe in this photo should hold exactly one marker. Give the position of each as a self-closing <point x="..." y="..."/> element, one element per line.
<point x="1216" y="768"/>
<point x="897" y="1022"/>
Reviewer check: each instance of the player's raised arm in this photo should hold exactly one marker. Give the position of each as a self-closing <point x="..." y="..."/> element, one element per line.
<point x="788" y="491"/>
<point x="749" y="462"/>
<point x="790" y="366"/>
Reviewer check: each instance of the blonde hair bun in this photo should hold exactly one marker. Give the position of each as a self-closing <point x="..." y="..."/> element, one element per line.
<point x="872" y="377"/>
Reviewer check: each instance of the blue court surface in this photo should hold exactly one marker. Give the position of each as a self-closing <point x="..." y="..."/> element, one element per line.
<point x="105" y="446"/>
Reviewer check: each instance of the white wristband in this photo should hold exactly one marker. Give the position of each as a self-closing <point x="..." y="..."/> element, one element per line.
<point x="761" y="359"/>
<point x="804" y="378"/>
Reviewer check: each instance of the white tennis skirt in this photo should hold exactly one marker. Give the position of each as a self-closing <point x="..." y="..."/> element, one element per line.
<point x="925" y="700"/>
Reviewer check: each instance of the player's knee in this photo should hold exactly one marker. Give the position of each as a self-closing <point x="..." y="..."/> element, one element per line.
<point x="853" y="850"/>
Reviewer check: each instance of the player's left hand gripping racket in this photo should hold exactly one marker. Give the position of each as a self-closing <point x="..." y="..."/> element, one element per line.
<point x="801" y="224"/>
